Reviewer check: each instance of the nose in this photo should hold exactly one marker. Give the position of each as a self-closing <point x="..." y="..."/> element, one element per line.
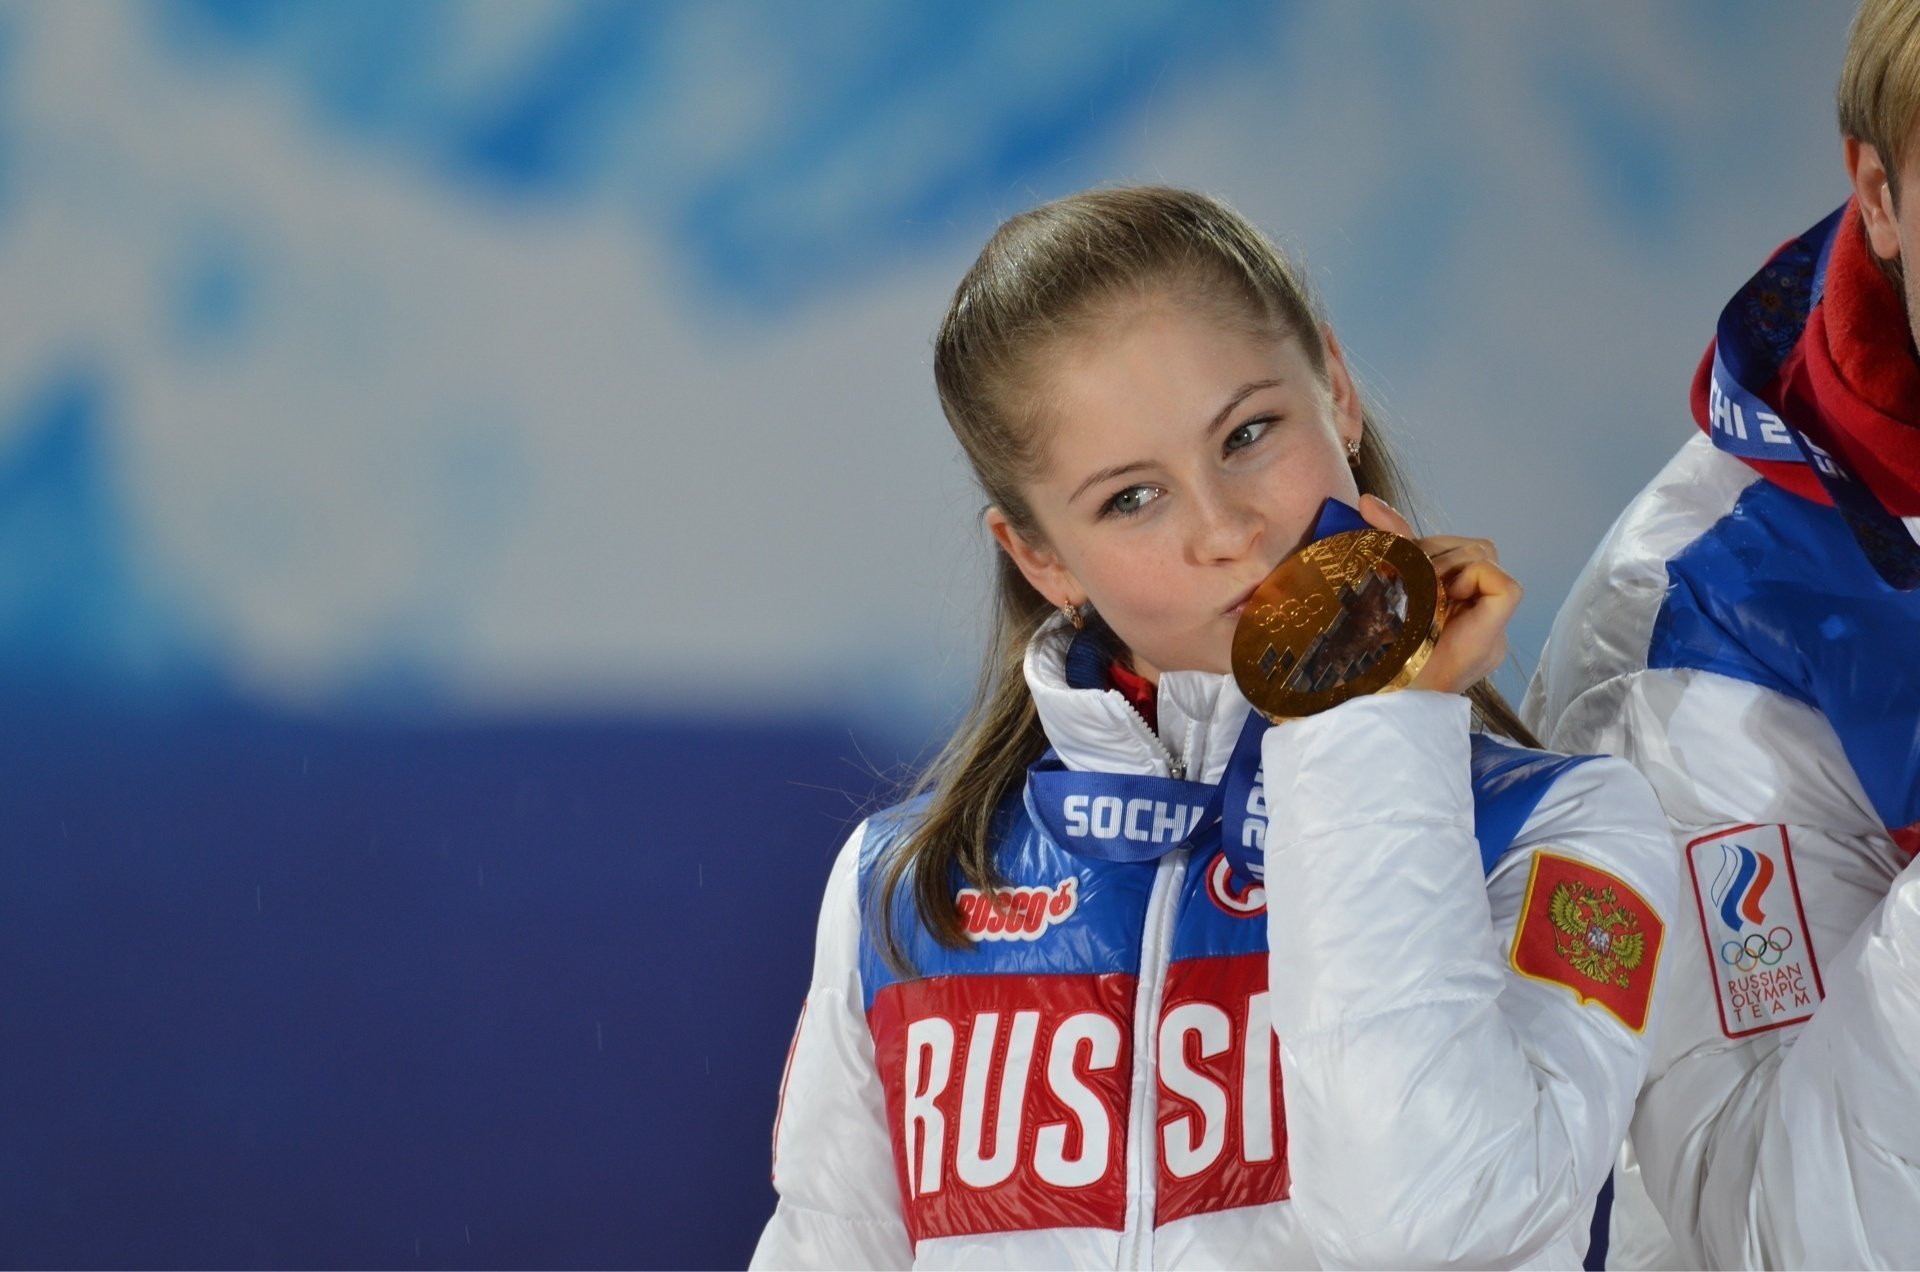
<point x="1228" y="526"/>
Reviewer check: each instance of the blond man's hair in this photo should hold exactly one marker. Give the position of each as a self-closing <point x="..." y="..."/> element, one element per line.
<point x="1879" y="95"/>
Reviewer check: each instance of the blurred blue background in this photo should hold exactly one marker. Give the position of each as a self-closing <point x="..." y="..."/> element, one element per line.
<point x="476" y="529"/>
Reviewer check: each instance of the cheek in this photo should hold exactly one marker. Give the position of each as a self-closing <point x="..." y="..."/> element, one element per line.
<point x="1910" y="267"/>
<point x="1145" y="584"/>
<point x="1341" y="484"/>
<point x="1149" y="595"/>
<point x="1296" y="491"/>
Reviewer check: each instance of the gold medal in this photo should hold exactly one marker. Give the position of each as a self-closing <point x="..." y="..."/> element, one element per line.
<point x="1351" y="614"/>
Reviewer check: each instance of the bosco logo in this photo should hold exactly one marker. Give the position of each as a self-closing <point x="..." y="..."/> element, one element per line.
<point x="1017" y="914"/>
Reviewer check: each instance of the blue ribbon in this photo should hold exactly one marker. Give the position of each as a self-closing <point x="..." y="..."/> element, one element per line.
<point x="1128" y="817"/>
<point x="1132" y="818"/>
<point x="1757" y="331"/>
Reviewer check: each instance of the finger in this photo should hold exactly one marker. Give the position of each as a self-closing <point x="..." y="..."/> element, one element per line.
<point x="1483" y="598"/>
<point x="1467" y="668"/>
<point x="1458" y="665"/>
<point x="1382" y="515"/>
<point x="1482" y="579"/>
<point x="1451" y="550"/>
<point x="1478" y="614"/>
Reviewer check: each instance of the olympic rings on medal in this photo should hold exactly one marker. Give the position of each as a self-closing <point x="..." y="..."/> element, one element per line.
<point x="1755" y="950"/>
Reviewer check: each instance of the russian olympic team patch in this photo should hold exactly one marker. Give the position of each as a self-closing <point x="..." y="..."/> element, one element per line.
<point x="1585" y="930"/>
<point x="1764" y="972"/>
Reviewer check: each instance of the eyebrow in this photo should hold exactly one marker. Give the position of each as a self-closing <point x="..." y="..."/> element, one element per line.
<point x="1244" y="392"/>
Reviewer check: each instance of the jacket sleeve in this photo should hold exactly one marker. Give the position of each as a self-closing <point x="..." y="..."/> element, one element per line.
<point x="1442" y="1109"/>
<point x="1794" y="1146"/>
<point x="832" y="1161"/>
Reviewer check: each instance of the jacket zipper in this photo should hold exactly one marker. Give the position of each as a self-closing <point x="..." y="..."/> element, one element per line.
<point x="1175" y="768"/>
<point x="1143" y="1158"/>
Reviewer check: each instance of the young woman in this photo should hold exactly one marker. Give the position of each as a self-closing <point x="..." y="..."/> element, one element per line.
<point x="1054" y="1021"/>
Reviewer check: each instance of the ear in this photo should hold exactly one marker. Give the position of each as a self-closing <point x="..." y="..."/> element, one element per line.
<point x="1873" y="190"/>
<point x="1045" y="571"/>
<point x="1348" y="418"/>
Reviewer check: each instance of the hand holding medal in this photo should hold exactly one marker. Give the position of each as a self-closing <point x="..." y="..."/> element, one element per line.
<point x="1365" y="608"/>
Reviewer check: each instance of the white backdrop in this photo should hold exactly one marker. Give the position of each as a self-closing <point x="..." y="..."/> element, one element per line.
<point x="555" y="356"/>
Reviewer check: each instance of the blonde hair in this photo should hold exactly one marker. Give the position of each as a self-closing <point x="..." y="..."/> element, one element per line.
<point x="1053" y="272"/>
<point x="1879" y="93"/>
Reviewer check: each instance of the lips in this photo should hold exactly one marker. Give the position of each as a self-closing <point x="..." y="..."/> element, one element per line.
<point x="1245" y="596"/>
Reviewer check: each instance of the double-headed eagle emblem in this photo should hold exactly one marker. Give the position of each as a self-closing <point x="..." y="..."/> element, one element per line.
<point x="1601" y="939"/>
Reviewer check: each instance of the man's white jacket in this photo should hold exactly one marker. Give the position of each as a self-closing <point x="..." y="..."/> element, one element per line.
<point x="1731" y="640"/>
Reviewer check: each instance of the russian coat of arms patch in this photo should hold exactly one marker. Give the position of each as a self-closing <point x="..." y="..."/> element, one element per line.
<point x="1583" y="929"/>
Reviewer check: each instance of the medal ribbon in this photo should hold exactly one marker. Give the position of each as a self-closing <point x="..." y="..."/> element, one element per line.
<point x="1757" y="332"/>
<point x="1128" y="817"/>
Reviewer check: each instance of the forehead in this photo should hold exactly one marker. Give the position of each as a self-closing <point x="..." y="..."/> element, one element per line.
<point x="1155" y="371"/>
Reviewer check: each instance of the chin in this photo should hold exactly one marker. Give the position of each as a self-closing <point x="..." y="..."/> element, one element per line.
<point x="1219" y="664"/>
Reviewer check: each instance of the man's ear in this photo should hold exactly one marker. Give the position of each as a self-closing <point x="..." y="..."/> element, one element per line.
<point x="1044" y="570"/>
<point x="1873" y="191"/>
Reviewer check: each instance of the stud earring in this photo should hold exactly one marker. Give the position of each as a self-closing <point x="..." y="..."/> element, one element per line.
<point x="1353" y="451"/>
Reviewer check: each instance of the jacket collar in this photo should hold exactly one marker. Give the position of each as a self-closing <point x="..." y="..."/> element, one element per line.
<point x="1097" y="730"/>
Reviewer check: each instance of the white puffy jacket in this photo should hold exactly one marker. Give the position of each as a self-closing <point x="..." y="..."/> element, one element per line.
<point x="1096" y="1081"/>
<point x="1731" y="640"/>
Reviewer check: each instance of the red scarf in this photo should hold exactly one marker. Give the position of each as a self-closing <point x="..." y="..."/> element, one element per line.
<point x="1851" y="382"/>
<point x="1137" y="690"/>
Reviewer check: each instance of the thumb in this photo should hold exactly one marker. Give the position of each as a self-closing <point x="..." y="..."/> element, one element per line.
<point x="1382" y="515"/>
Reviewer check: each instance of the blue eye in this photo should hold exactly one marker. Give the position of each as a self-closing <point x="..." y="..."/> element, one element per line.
<point x="1249" y="433"/>
<point x="1130" y="501"/>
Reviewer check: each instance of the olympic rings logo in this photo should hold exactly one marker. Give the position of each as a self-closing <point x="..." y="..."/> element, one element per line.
<point x="1756" y="951"/>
